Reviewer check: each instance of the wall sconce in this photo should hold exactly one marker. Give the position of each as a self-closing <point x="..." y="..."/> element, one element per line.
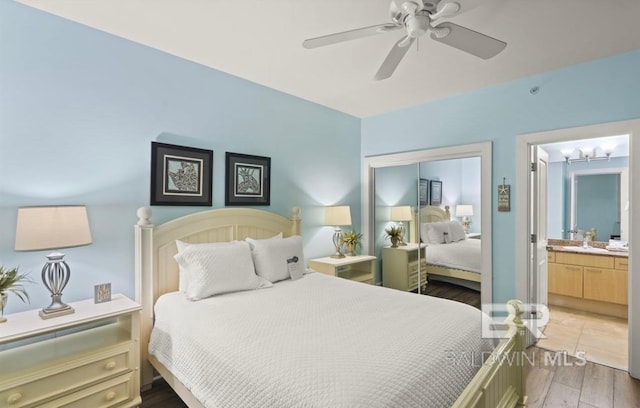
<point x="337" y="216"/>
<point x="465" y="211"/>
<point x="53" y="228"/>
<point x="587" y="154"/>
<point x="400" y="214"/>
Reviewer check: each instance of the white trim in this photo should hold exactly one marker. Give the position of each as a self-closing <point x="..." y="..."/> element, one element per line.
<point x="482" y="150"/>
<point x="630" y="127"/>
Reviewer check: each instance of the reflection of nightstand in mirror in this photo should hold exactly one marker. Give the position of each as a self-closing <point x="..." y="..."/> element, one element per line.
<point x="473" y="235"/>
<point x="400" y="267"/>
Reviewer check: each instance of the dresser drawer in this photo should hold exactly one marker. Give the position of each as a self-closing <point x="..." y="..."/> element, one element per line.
<point x="66" y="377"/>
<point x="111" y="393"/>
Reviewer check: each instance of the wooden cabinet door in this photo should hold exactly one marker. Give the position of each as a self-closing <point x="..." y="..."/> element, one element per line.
<point x="605" y="285"/>
<point x="565" y="280"/>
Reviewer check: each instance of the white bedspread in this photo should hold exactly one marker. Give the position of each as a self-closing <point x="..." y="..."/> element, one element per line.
<point x="463" y="254"/>
<point x="319" y="341"/>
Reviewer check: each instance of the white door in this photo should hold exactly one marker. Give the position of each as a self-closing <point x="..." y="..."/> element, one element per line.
<point x="538" y="294"/>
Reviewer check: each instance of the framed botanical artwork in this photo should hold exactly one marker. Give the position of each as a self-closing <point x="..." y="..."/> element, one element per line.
<point x="180" y="175"/>
<point x="248" y="180"/>
<point x="424" y="192"/>
<point x="435" y="192"/>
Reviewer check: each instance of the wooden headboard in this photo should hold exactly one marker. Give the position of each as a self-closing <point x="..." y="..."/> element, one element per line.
<point x="431" y="213"/>
<point x="156" y="271"/>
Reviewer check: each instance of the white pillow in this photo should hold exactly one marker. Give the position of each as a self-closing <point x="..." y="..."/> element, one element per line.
<point x="457" y="231"/>
<point x="215" y="269"/>
<point x="183" y="276"/>
<point x="252" y="241"/>
<point x="278" y="259"/>
<point x="438" y="232"/>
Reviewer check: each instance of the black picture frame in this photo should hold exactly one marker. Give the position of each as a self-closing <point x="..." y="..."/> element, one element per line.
<point x="180" y="175"/>
<point x="424" y="192"/>
<point x="435" y="192"/>
<point x="248" y="180"/>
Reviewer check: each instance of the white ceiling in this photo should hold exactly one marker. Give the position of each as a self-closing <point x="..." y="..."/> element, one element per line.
<point x="261" y="41"/>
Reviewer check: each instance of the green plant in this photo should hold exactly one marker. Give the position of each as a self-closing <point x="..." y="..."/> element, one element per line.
<point x="393" y="232"/>
<point x="13" y="281"/>
<point x="352" y="238"/>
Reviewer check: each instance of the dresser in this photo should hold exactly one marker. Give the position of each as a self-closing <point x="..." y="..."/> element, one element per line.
<point x="358" y="268"/>
<point x="90" y="358"/>
<point x="590" y="282"/>
<point x="400" y="267"/>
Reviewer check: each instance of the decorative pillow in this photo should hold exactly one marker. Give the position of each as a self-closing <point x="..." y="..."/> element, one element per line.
<point x="457" y="231"/>
<point x="438" y="232"/>
<point x="278" y="259"/>
<point x="218" y="268"/>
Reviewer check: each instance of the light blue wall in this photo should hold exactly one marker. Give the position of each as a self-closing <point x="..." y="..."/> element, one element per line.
<point x="79" y="109"/>
<point x="600" y="91"/>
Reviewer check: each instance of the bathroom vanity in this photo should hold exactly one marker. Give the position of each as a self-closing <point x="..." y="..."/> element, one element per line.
<point x="591" y="279"/>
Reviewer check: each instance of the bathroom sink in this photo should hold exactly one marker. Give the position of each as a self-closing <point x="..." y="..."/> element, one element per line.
<point x="589" y="250"/>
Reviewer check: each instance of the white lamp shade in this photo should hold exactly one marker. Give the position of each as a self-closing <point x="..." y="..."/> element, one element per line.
<point x="401" y="213"/>
<point x="43" y="228"/>
<point x="464" y="210"/>
<point x="337" y="215"/>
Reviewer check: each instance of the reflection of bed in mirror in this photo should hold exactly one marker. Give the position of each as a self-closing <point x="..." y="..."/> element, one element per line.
<point x="459" y="260"/>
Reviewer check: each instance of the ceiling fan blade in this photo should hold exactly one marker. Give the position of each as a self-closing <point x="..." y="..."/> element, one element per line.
<point x="349" y="35"/>
<point x="467" y="40"/>
<point x="394" y="57"/>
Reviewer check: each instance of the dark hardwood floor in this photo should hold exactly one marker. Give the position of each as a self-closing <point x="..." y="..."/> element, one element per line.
<point x="453" y="292"/>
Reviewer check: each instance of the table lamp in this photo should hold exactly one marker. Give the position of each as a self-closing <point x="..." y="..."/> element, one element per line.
<point x="465" y="211"/>
<point x="53" y="228"/>
<point x="400" y="214"/>
<point x="337" y="216"/>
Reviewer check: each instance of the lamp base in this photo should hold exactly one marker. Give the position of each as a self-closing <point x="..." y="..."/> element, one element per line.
<point x="50" y="313"/>
<point x="337" y="256"/>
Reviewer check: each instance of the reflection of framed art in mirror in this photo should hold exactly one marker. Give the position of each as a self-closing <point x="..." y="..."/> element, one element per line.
<point x="424" y="192"/>
<point x="435" y="192"/>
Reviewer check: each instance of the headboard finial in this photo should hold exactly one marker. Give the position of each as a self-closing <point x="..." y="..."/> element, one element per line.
<point x="295" y="213"/>
<point x="144" y="216"/>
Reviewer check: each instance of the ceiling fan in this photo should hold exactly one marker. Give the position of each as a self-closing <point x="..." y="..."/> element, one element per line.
<point x="416" y="17"/>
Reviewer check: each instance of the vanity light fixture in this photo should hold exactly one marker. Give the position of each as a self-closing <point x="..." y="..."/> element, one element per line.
<point x="53" y="228"/>
<point x="587" y="154"/>
<point x="400" y="214"/>
<point x="337" y="216"/>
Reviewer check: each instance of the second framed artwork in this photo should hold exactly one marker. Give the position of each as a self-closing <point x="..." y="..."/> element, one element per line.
<point x="435" y="192"/>
<point x="248" y="179"/>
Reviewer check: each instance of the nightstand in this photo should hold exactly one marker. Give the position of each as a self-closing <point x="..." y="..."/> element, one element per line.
<point x="400" y="267"/>
<point x="90" y="358"/>
<point x="357" y="268"/>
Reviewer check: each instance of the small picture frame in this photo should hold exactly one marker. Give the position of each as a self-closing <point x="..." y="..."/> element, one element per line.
<point x="180" y="175"/>
<point x="435" y="192"/>
<point x="248" y="180"/>
<point x="102" y="293"/>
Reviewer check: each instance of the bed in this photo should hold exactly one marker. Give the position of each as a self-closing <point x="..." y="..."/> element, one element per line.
<point x="456" y="262"/>
<point x="301" y="358"/>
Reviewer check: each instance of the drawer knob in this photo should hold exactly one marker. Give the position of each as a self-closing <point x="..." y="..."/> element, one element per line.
<point x="111" y="395"/>
<point x="110" y="365"/>
<point x="13" y="398"/>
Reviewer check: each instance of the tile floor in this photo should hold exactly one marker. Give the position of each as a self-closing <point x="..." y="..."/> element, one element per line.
<point x="602" y="339"/>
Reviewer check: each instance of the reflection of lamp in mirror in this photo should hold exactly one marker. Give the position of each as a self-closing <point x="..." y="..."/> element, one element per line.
<point x="53" y="228"/>
<point x="465" y="211"/>
<point x="400" y="214"/>
<point x="337" y="216"/>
